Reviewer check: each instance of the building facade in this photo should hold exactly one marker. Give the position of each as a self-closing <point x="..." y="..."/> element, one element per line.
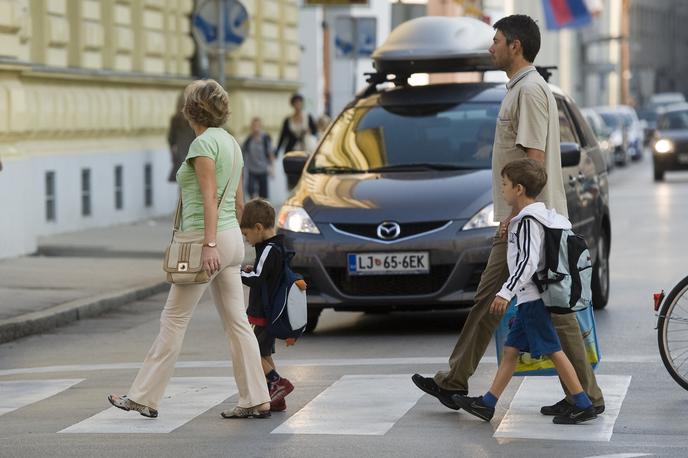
<point x="87" y="89"/>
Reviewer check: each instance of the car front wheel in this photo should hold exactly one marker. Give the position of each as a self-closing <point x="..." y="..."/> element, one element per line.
<point x="600" y="274"/>
<point x="659" y="174"/>
<point x="313" y="317"/>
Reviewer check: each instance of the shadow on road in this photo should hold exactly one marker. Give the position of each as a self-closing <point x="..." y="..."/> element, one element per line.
<point x="390" y="324"/>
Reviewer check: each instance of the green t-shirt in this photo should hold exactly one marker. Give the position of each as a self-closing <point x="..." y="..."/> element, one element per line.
<point x="217" y="144"/>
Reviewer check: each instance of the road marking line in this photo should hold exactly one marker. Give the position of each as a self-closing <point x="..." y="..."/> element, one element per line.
<point x="185" y="399"/>
<point x="332" y="362"/>
<point x="621" y="455"/>
<point x="21" y="393"/>
<point x="355" y="404"/>
<point x="523" y="419"/>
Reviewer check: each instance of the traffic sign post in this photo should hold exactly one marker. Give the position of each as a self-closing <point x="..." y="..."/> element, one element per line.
<point x="219" y="27"/>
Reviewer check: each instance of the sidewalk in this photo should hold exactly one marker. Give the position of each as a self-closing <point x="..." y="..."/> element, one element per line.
<point x="82" y="274"/>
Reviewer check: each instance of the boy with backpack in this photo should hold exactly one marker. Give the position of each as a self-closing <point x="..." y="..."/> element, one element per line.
<point x="532" y="244"/>
<point x="265" y="280"/>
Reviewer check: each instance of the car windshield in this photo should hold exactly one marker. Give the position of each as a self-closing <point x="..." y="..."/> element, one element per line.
<point x="673" y="120"/>
<point x="402" y="138"/>
<point x="612" y="120"/>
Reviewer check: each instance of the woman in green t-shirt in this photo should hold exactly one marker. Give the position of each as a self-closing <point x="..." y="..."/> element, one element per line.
<point x="213" y="162"/>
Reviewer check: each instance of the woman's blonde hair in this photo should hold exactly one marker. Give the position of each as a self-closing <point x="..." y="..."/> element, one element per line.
<point x="206" y="103"/>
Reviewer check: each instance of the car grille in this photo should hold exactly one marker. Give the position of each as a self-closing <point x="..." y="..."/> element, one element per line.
<point x="407" y="229"/>
<point x="392" y="285"/>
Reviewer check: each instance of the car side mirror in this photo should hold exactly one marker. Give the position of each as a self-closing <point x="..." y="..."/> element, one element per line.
<point x="293" y="163"/>
<point x="570" y="154"/>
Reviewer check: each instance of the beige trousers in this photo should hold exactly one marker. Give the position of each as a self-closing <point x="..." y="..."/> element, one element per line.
<point x="480" y="325"/>
<point x="227" y="292"/>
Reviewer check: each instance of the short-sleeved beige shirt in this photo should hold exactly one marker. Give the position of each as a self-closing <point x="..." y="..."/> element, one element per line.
<point x="528" y="118"/>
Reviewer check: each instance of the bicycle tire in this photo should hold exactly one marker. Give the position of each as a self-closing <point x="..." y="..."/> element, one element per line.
<point x="668" y="308"/>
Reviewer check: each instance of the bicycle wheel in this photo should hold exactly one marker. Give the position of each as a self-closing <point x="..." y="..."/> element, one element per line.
<point x="672" y="333"/>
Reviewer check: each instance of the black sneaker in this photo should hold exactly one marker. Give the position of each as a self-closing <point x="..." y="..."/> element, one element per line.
<point x="575" y="416"/>
<point x="431" y="387"/>
<point x="474" y="406"/>
<point x="564" y="408"/>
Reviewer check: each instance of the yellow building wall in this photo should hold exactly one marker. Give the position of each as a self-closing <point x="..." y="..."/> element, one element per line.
<point x="79" y="69"/>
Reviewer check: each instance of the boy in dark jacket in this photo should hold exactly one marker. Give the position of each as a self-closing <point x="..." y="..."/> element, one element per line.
<point x="258" y="227"/>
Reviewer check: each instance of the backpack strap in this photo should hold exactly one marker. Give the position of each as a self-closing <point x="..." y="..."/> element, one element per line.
<point x="264" y="293"/>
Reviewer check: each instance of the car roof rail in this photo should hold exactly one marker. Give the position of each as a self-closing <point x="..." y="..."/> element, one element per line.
<point x="546" y="71"/>
<point x="374" y="79"/>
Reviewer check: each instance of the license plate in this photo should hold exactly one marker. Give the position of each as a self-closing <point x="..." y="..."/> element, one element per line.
<point x="683" y="158"/>
<point x="412" y="262"/>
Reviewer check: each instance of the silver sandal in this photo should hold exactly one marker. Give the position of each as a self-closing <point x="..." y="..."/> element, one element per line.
<point x="124" y="403"/>
<point x="245" y="412"/>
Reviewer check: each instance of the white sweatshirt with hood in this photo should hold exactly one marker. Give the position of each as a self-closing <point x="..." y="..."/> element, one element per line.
<point x="525" y="244"/>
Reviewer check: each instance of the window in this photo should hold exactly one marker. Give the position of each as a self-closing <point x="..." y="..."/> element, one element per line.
<point x="50" y="196"/>
<point x="86" y="192"/>
<point x="566" y="131"/>
<point x="119" y="198"/>
<point x="148" y="185"/>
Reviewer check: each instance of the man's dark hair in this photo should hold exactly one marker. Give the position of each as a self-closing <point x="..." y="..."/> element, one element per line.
<point x="524" y="29"/>
<point x="258" y="211"/>
<point x="527" y="172"/>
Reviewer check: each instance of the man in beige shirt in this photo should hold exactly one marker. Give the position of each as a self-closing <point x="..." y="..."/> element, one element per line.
<point x="527" y="126"/>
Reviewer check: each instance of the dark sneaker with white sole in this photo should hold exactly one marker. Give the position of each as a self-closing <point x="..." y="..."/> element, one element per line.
<point x="575" y="416"/>
<point x="429" y="386"/>
<point x="474" y="406"/>
<point x="124" y="403"/>
<point x="563" y="408"/>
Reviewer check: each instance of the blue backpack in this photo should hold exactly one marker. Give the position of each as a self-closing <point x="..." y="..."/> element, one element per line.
<point x="288" y="307"/>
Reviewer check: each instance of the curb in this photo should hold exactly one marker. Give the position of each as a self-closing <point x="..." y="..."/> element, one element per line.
<point x="59" y="315"/>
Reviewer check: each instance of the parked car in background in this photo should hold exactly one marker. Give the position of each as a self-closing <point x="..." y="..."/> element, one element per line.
<point x="394" y="211"/>
<point x="617" y="137"/>
<point x="603" y="134"/>
<point x="648" y="119"/>
<point x="670" y="143"/>
<point x="631" y="128"/>
<point x="663" y="99"/>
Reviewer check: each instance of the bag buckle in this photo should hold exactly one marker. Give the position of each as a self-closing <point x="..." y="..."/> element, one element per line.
<point x="183" y="266"/>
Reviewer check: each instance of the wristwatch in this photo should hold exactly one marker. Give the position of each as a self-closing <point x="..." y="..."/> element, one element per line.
<point x="210" y="244"/>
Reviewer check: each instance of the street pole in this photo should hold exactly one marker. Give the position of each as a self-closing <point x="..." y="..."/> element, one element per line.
<point x="625" y="52"/>
<point x="221" y="9"/>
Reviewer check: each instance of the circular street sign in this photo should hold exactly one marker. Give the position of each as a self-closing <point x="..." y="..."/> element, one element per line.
<point x="205" y="24"/>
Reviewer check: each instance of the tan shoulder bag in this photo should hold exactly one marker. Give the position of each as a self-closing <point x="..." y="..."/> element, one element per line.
<point x="183" y="261"/>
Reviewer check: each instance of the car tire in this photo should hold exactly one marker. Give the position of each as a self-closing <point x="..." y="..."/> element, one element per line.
<point x="600" y="273"/>
<point x="659" y="174"/>
<point x="313" y="317"/>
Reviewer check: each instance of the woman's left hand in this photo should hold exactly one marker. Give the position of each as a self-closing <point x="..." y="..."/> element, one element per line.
<point x="210" y="260"/>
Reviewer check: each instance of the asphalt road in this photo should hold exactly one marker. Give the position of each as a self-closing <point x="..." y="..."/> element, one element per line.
<point x="353" y="394"/>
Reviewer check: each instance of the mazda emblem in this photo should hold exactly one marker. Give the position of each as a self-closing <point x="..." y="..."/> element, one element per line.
<point x="388" y="230"/>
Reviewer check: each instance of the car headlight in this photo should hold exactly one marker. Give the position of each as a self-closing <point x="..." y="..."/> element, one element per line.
<point x="484" y="218"/>
<point x="664" y="146"/>
<point x="296" y="219"/>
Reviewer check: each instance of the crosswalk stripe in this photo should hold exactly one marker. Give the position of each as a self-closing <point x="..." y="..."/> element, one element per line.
<point x="355" y="404"/>
<point x="185" y="399"/>
<point x="17" y="394"/>
<point x="523" y="419"/>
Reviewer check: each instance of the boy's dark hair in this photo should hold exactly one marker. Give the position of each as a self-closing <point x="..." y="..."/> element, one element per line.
<point x="524" y="29"/>
<point x="527" y="172"/>
<point x="258" y="211"/>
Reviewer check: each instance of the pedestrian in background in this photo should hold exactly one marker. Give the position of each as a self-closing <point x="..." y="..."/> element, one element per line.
<point x="263" y="279"/>
<point x="179" y="137"/>
<point x="298" y="129"/>
<point x="258" y="160"/>
<point x="214" y="161"/>
<point x="527" y="126"/>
